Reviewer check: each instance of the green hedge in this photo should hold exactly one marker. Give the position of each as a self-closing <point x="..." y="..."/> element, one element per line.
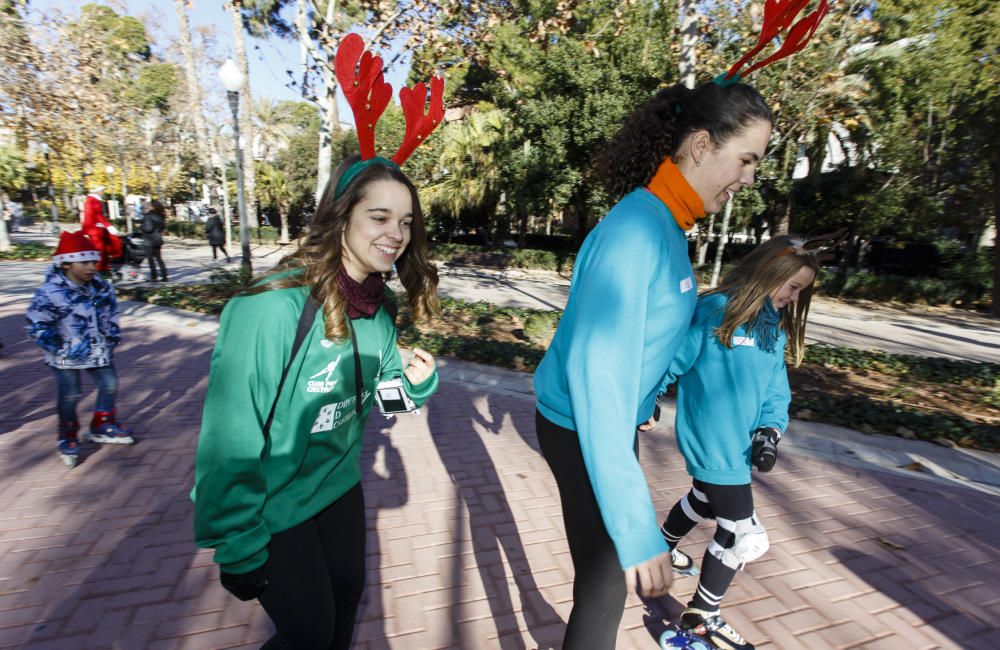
<point x="931" y="369"/>
<point x="516" y="258"/>
<point x="188" y="230"/>
<point x="28" y="251"/>
<point x="929" y="291"/>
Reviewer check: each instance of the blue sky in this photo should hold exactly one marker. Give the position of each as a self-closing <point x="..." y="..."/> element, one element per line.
<point x="268" y="58"/>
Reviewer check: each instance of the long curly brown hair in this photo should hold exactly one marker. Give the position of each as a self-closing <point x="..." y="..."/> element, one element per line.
<point x="320" y="255"/>
<point x="659" y="127"/>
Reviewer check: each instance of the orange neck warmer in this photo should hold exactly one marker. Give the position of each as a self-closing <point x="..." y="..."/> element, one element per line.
<point x="670" y="186"/>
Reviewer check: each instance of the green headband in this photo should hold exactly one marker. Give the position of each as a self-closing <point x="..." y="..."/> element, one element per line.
<point x="722" y="81"/>
<point x="348" y="176"/>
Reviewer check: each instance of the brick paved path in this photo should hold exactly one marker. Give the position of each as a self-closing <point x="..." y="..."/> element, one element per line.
<point x="466" y="546"/>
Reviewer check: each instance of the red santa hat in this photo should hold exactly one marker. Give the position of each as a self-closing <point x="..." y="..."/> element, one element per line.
<point x="75" y="247"/>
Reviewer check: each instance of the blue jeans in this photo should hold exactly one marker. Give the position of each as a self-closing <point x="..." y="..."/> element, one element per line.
<point x="69" y="393"/>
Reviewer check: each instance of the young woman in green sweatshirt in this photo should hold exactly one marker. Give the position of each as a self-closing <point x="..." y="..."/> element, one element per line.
<point x="285" y="512"/>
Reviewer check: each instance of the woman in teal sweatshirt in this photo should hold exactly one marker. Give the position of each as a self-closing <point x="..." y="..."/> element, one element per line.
<point x="682" y="154"/>
<point x="732" y="407"/>
<point x="282" y="505"/>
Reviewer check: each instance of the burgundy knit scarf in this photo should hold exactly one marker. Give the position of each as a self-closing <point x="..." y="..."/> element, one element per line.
<point x="363" y="299"/>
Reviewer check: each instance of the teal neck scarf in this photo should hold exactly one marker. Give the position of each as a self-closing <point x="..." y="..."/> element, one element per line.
<point x="764" y="329"/>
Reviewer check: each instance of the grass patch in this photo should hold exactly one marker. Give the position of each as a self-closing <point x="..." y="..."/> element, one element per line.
<point x="902" y="395"/>
<point x="28" y="252"/>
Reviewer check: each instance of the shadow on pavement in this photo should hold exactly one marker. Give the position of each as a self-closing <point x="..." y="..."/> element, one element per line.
<point x="908" y="551"/>
<point x="479" y="495"/>
<point x="383" y="475"/>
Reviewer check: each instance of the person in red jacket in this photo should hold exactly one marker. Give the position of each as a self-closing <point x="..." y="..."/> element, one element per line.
<point x="100" y="231"/>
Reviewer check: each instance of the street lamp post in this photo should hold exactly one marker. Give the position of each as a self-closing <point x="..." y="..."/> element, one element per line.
<point x="52" y="193"/>
<point x="232" y="80"/>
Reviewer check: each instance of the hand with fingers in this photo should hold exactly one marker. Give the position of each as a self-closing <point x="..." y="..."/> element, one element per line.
<point x="651" y="578"/>
<point x="420" y="368"/>
<point x="649" y="424"/>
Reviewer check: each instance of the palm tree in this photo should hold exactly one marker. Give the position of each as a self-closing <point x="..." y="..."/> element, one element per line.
<point x="273" y="127"/>
<point x="274" y="190"/>
<point x="468" y="159"/>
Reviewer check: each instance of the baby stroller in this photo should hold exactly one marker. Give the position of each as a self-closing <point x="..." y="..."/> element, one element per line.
<point x="133" y="252"/>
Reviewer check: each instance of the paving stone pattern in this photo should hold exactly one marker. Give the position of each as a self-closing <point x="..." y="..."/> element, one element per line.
<point x="466" y="543"/>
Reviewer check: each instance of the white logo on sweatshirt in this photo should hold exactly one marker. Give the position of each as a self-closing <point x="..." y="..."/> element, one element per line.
<point x="332" y="416"/>
<point x="324" y="385"/>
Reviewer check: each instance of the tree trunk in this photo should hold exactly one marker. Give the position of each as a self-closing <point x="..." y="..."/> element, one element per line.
<point x="329" y="120"/>
<point x="704" y="241"/>
<point x="201" y="135"/>
<point x="246" y="125"/>
<point x="283" y="215"/>
<point x="995" y="305"/>
<point x="328" y="125"/>
<point x="4" y="238"/>
<point x="723" y="233"/>
<point x="687" y="23"/>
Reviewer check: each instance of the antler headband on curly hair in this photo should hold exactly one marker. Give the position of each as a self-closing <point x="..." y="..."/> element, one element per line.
<point x="359" y="73"/>
<point x="778" y="15"/>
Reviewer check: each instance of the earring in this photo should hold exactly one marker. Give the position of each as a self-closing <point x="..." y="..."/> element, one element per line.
<point x="697" y="163"/>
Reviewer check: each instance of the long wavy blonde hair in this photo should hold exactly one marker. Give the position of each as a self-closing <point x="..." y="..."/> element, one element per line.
<point x="320" y="255"/>
<point x="765" y="269"/>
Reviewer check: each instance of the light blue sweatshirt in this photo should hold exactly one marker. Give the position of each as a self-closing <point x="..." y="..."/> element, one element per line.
<point x="723" y="395"/>
<point x="630" y="303"/>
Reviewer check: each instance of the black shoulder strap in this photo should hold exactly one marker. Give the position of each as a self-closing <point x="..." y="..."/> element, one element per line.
<point x="391" y="308"/>
<point x="306" y="319"/>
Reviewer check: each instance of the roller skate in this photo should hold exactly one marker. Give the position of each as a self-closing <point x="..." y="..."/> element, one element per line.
<point x="711" y="627"/>
<point x="682" y="563"/>
<point x="69" y="444"/>
<point x="674" y="638"/>
<point x="104" y="429"/>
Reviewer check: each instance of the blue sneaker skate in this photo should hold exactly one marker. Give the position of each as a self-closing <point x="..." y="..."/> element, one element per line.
<point x="104" y="429"/>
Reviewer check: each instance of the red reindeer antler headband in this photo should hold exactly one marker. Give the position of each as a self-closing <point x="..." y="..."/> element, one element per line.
<point x="359" y="73"/>
<point x="778" y="15"/>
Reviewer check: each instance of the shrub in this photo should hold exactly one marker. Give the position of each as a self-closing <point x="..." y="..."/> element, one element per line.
<point x="28" y="251"/>
<point x="518" y="258"/>
<point x="540" y="326"/>
<point x="929" y="291"/>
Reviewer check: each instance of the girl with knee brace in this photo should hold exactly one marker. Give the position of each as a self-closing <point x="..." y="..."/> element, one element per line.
<point x="732" y="406"/>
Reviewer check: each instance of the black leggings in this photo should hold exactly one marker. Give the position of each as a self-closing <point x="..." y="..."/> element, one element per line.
<point x="153" y="255"/>
<point x="215" y="251"/>
<point x="598" y="581"/>
<point x="728" y="505"/>
<point x="317" y="576"/>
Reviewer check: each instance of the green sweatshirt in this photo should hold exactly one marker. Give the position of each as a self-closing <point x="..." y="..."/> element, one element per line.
<point x="245" y="492"/>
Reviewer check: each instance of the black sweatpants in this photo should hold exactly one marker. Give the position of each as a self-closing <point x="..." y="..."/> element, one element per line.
<point x="598" y="581"/>
<point x="316" y="577"/>
<point x="153" y="255"/>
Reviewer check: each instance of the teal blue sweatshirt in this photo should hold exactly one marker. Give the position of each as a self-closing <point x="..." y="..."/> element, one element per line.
<point x="630" y="302"/>
<point x="723" y="395"/>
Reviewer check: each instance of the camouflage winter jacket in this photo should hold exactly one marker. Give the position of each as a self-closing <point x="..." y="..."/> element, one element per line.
<point x="76" y="325"/>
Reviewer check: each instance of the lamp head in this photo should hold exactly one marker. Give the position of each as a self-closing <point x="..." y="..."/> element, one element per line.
<point x="231" y="77"/>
